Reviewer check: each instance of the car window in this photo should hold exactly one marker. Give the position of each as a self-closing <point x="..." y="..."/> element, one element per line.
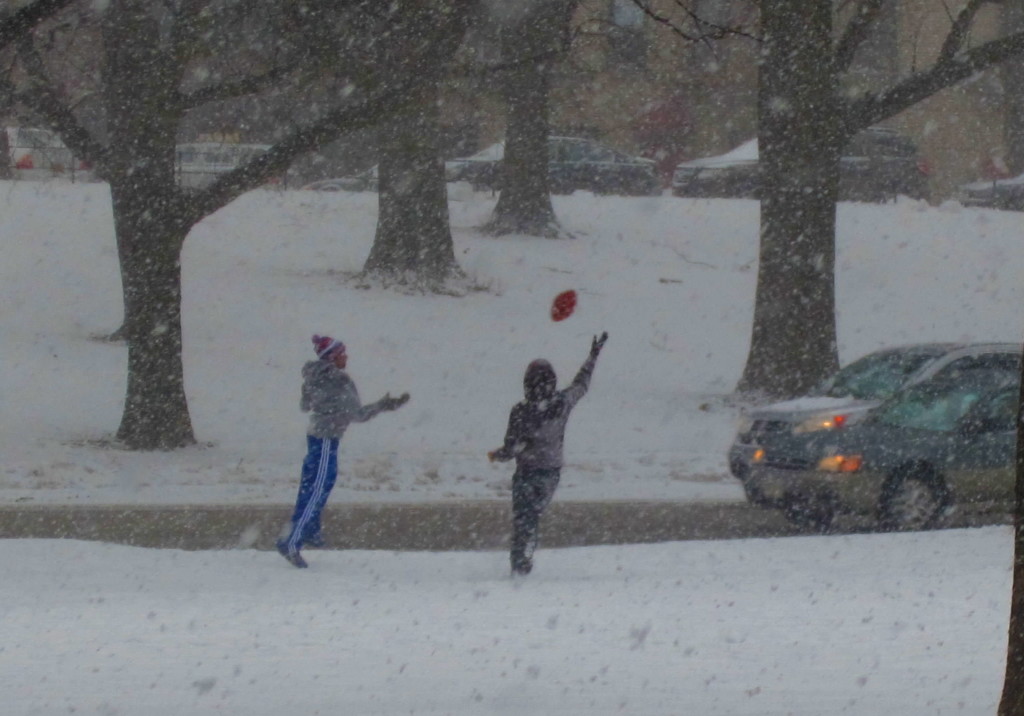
<point x="579" y="151"/>
<point x="874" y="377"/>
<point x="597" y="153"/>
<point x="880" y="143"/>
<point x="996" y="413"/>
<point x="936" y="405"/>
<point x="1006" y="362"/>
<point x="558" y="151"/>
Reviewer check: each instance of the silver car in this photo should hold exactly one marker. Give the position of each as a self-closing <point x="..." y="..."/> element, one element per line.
<point x="933" y="446"/>
<point x="852" y="392"/>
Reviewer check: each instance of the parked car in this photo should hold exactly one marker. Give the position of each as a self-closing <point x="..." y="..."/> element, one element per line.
<point x="365" y="180"/>
<point x="35" y="153"/>
<point x="845" y="398"/>
<point x="935" y="445"/>
<point x="198" y="164"/>
<point x="574" y="164"/>
<point x="995" y="194"/>
<point x="878" y="165"/>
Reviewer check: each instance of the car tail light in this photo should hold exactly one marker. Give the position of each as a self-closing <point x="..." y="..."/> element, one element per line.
<point x="838" y="421"/>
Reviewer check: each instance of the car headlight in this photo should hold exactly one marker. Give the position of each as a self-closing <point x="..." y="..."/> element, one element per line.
<point x="841" y="463"/>
<point x="825" y="421"/>
<point x="744" y="424"/>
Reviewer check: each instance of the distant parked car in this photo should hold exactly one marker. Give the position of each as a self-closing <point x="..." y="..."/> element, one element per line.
<point x="877" y="165"/>
<point x="574" y="164"/>
<point x="845" y="398"/>
<point x="365" y="180"/>
<point x="934" y="445"/>
<point x="995" y="194"/>
<point x="35" y="153"/>
<point x="198" y="164"/>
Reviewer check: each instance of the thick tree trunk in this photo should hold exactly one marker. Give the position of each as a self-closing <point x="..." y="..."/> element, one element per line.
<point x="793" y="342"/>
<point x="524" y="205"/>
<point x="531" y="45"/>
<point x="413" y="244"/>
<point x="1012" y="701"/>
<point x="149" y="241"/>
<point x="1012" y="76"/>
<point x="140" y="92"/>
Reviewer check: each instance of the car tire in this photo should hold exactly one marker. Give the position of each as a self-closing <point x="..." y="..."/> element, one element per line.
<point x="913" y="498"/>
<point x="815" y="513"/>
<point x="756" y="497"/>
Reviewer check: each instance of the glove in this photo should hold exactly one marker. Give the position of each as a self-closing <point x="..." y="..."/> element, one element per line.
<point x="390" y="403"/>
<point x="598" y="344"/>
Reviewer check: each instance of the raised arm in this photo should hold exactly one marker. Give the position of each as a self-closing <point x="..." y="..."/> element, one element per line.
<point x="578" y="388"/>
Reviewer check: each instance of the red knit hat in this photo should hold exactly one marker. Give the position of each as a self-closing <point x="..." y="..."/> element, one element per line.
<point x="325" y="346"/>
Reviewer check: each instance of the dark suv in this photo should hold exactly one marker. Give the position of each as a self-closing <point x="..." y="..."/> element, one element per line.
<point x="878" y="165"/>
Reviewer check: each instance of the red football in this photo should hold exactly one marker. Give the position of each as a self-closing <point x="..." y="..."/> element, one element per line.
<point x="563" y="305"/>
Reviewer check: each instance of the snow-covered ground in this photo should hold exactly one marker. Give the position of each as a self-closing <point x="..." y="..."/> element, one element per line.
<point x="913" y="624"/>
<point x="862" y="625"/>
<point x="671" y="280"/>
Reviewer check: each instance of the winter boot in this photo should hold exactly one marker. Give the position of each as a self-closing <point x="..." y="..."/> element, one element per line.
<point x="292" y="556"/>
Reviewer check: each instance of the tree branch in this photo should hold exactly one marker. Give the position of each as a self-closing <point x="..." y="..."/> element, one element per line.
<point x="856" y="32"/>
<point x="871" y="109"/>
<point x="185" y="28"/>
<point x="713" y="30"/>
<point x="276" y="160"/>
<point x="24" y="19"/>
<point x="954" y="41"/>
<point x="60" y="117"/>
<point x="233" y="88"/>
<point x="39" y="98"/>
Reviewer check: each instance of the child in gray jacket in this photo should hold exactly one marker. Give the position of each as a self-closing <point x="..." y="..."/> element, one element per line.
<point x="329" y="394"/>
<point x="535" y="438"/>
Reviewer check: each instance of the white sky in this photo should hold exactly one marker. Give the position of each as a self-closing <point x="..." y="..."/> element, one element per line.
<point x="867" y="624"/>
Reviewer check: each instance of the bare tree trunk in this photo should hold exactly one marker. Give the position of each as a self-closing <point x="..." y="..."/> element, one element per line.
<point x="1012" y="76"/>
<point x="793" y="342"/>
<point x="1012" y="701"/>
<point x="149" y="225"/>
<point x="149" y="242"/>
<point x="524" y="206"/>
<point x="413" y="244"/>
<point x="532" y="46"/>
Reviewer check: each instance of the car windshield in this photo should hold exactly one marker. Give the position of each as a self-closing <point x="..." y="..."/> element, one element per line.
<point x="874" y="377"/>
<point x="938" y="405"/>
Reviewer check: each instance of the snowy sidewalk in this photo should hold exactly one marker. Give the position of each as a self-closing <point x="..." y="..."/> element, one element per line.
<point x="470" y="525"/>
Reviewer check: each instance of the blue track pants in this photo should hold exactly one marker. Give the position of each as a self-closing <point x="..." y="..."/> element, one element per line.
<point x="319" y="472"/>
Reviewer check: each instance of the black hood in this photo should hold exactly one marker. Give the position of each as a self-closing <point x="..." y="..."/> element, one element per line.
<point x="539" y="382"/>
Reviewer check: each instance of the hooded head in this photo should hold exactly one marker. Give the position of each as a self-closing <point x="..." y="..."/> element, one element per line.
<point x="540" y="381"/>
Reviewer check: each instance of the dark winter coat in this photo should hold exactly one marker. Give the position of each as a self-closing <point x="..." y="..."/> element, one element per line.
<point x="536" y="426"/>
<point x="332" y="397"/>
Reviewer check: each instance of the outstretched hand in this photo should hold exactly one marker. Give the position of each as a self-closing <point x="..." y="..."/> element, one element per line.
<point x="394" y="403"/>
<point x="598" y="343"/>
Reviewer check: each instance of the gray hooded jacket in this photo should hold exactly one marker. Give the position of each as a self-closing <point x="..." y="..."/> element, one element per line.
<point x="331" y="396"/>
<point x="536" y="426"/>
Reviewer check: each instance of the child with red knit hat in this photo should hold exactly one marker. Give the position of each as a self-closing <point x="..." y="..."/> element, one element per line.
<point x="329" y="394"/>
